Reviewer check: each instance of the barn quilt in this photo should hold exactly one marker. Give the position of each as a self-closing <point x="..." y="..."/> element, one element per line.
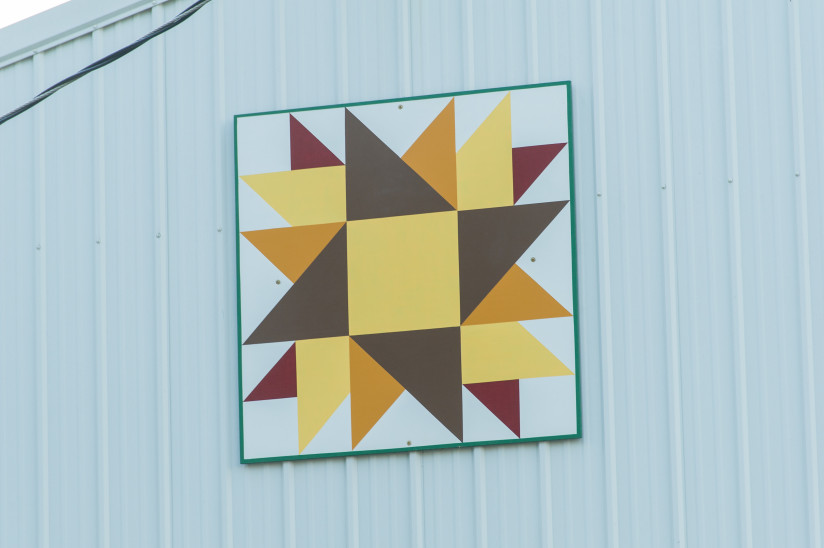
<point x="406" y="274"/>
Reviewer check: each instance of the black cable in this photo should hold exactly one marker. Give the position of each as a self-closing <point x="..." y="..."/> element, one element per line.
<point x="100" y="63"/>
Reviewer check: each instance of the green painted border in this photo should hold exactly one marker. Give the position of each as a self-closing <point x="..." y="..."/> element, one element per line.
<point x="577" y="435"/>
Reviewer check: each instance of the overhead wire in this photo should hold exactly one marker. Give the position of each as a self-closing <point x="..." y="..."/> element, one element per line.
<point x="108" y="59"/>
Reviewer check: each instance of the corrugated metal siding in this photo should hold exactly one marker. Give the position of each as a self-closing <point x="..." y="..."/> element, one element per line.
<point x="699" y="140"/>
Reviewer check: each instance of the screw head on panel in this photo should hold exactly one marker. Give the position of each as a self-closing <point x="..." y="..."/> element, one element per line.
<point x="157" y="235"/>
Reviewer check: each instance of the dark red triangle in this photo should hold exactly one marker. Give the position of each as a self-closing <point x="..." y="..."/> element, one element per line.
<point x="503" y="399"/>
<point x="307" y="150"/>
<point x="280" y="381"/>
<point x="528" y="163"/>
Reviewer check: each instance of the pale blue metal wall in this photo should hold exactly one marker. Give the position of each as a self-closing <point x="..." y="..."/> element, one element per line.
<point x="699" y="141"/>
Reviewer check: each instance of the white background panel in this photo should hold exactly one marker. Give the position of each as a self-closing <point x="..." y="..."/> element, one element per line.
<point x="259" y="290"/>
<point x="263" y="144"/>
<point x="552" y="251"/>
<point x="548" y="406"/>
<point x="255" y="213"/>
<point x="406" y="423"/>
<point x="539" y="116"/>
<point x="270" y="428"/>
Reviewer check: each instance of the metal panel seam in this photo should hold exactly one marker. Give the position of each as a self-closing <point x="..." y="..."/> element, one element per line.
<point x="604" y="277"/>
<point x="223" y="396"/>
<point x="289" y="503"/>
<point x="479" y="465"/>
<point x="41" y="308"/>
<point x="545" y="489"/>
<point x="673" y="341"/>
<point x="532" y="39"/>
<point x="101" y="321"/>
<point x="343" y="52"/>
<point x="352" y="519"/>
<point x="469" y="45"/>
<point x="737" y="282"/>
<point x="161" y="190"/>
<point x="805" y="293"/>
<point x="416" y="489"/>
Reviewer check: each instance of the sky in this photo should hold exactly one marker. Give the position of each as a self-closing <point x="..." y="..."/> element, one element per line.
<point x="12" y="11"/>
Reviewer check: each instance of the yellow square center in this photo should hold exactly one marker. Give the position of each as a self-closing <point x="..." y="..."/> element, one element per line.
<point x="403" y="273"/>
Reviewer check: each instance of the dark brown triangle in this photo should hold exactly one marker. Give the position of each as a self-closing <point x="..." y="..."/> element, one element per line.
<point x="316" y="306"/>
<point x="379" y="183"/>
<point x="491" y="240"/>
<point x="427" y="363"/>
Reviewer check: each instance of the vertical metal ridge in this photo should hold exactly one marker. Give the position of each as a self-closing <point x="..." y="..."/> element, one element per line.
<point x="673" y="341"/>
<point x="469" y="44"/>
<point x="101" y="286"/>
<point x="479" y="467"/>
<point x="532" y="42"/>
<point x="161" y="190"/>
<point x="604" y="276"/>
<point x="804" y="283"/>
<point x="280" y="24"/>
<point x="352" y="516"/>
<point x="416" y="488"/>
<point x="41" y="310"/>
<point x="290" y="518"/>
<point x="737" y="282"/>
<point x="226" y="389"/>
<point x="545" y="489"/>
<point x="405" y="37"/>
<point x="343" y="52"/>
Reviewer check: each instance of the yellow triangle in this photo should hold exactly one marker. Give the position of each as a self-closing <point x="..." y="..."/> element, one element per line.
<point x="505" y="351"/>
<point x="485" y="162"/>
<point x="373" y="391"/>
<point x="304" y="196"/>
<point x="516" y="297"/>
<point x="432" y="155"/>
<point x="323" y="383"/>
<point x="292" y="249"/>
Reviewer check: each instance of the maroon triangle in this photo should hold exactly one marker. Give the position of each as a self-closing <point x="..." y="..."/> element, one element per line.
<point x="528" y="163"/>
<point x="307" y="150"/>
<point x="503" y="399"/>
<point x="280" y="381"/>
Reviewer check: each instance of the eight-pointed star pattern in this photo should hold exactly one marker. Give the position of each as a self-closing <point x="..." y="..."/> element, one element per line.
<point x="405" y="275"/>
